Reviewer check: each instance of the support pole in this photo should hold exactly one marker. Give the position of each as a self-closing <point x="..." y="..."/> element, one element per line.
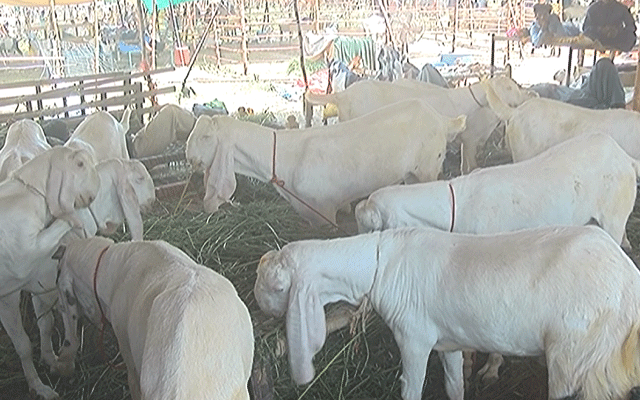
<point x="243" y="39"/>
<point x="216" y="37"/>
<point x="636" y="90"/>
<point x="57" y="51"/>
<point x="569" y="62"/>
<point x="96" y="34"/>
<point x="176" y="34"/>
<point x="203" y="39"/>
<point x="307" y="109"/>
<point x="455" y="26"/>
<point x="154" y="33"/>
<point x="387" y="22"/>
<point x="493" y="53"/>
<point x="121" y="14"/>
<point x="316" y="16"/>
<point x="141" y="30"/>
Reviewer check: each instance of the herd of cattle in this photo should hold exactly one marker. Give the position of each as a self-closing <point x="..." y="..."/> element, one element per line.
<point x="518" y="259"/>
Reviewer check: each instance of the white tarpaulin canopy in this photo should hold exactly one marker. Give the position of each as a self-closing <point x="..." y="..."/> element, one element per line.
<point x="41" y="3"/>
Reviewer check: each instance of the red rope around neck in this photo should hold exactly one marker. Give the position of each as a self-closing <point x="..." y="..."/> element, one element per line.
<point x="103" y="319"/>
<point x="453" y="206"/>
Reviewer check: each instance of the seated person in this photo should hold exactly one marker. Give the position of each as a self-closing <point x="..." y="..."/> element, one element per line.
<point x="547" y="26"/>
<point x="610" y="23"/>
<point x="602" y="88"/>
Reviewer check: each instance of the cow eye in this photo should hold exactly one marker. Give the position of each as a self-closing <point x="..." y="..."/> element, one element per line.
<point x="80" y="164"/>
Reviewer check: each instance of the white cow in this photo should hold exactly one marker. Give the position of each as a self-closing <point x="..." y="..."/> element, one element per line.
<point x="329" y="166"/>
<point x="172" y="123"/>
<point x="126" y="189"/>
<point x="585" y="179"/>
<point x="36" y="203"/>
<point x="103" y="134"/>
<point x="569" y="294"/>
<point x="539" y="124"/>
<point x="25" y="139"/>
<point x="366" y="96"/>
<point x="182" y="330"/>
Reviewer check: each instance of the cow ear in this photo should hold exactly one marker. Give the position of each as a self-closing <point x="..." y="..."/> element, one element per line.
<point x="58" y="196"/>
<point x="220" y="178"/>
<point x="59" y="253"/>
<point x="306" y="330"/>
<point x="129" y="201"/>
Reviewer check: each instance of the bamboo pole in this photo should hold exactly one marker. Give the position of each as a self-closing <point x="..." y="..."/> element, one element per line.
<point x="307" y="108"/>
<point x="176" y="34"/>
<point x="56" y="46"/>
<point x="385" y="16"/>
<point x="636" y="89"/>
<point x="96" y="34"/>
<point x="121" y="14"/>
<point x="216" y="37"/>
<point x="243" y="39"/>
<point x="154" y="31"/>
<point x="316" y="15"/>
<point x="214" y="14"/>
<point x="455" y="26"/>
<point x="141" y="30"/>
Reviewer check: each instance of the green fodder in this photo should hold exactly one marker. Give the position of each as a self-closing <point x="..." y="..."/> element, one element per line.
<point x="365" y="365"/>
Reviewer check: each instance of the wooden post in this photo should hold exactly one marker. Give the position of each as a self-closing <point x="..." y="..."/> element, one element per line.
<point x="154" y="33"/>
<point x="176" y="34"/>
<point x="214" y="14"/>
<point x="141" y="30"/>
<point x="243" y="39"/>
<point x="316" y="15"/>
<point x="636" y="89"/>
<point x="455" y="26"/>
<point x="83" y="111"/>
<point x="216" y="38"/>
<point x="307" y="109"/>
<point x="96" y="34"/>
<point x="385" y="16"/>
<point x="57" y="50"/>
<point x="39" y="101"/>
<point x="120" y="13"/>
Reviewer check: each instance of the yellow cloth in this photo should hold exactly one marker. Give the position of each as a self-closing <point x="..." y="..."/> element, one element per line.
<point x="330" y="110"/>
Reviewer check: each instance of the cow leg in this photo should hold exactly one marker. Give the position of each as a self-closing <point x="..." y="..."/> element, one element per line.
<point x="626" y="245"/>
<point x="489" y="372"/>
<point x="467" y="366"/>
<point x="12" y="323"/>
<point x="414" y="363"/>
<point x="454" y="381"/>
<point x="560" y="387"/>
<point x="43" y="306"/>
<point x="68" y="306"/>
<point x="467" y="158"/>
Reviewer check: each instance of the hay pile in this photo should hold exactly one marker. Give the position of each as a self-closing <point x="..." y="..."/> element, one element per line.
<point x="231" y="241"/>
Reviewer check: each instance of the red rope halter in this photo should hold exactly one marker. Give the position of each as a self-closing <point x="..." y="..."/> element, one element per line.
<point x="103" y="319"/>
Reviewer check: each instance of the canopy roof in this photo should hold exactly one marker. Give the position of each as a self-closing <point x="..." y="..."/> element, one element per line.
<point x="45" y="3"/>
<point x="41" y="3"/>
